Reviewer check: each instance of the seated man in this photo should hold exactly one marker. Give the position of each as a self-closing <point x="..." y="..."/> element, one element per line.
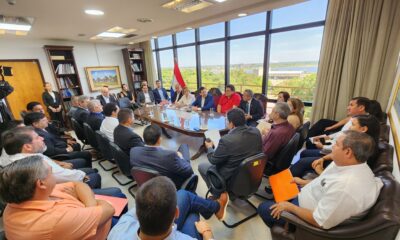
<point x="82" y="113"/>
<point x="163" y="213"/>
<point x="21" y="142"/>
<point x="96" y="116"/>
<point x="160" y="94"/>
<point x="145" y="96"/>
<point x="109" y="123"/>
<point x="251" y="107"/>
<point x="177" y="94"/>
<point x="105" y="96"/>
<point x="124" y="136"/>
<point x="56" y="145"/>
<point x="175" y="165"/>
<point x="280" y="133"/>
<point x="204" y="101"/>
<point x="74" y="106"/>
<point x="240" y="143"/>
<point x="230" y="99"/>
<point x="38" y="208"/>
<point x="344" y="191"/>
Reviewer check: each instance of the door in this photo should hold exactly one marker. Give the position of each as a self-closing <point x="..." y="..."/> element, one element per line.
<point x="27" y="81"/>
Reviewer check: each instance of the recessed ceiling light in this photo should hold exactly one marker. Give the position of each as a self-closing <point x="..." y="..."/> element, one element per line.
<point x="131" y="42"/>
<point x="154" y="37"/>
<point x="144" y="20"/>
<point x="111" y="35"/>
<point x="94" y="12"/>
<point x="220" y="1"/>
<point x="242" y="14"/>
<point x="189" y="28"/>
<point x="15" y="27"/>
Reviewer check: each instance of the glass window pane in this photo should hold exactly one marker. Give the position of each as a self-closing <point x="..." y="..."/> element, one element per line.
<point x="187" y="65"/>
<point x="155" y="65"/>
<point x="185" y="37"/>
<point x="310" y="11"/>
<point x="212" y="31"/>
<point x="213" y="65"/>
<point x="246" y="59"/>
<point x="294" y="63"/>
<point x="167" y="66"/>
<point x="165" y="41"/>
<point x="153" y="45"/>
<point x="252" y="23"/>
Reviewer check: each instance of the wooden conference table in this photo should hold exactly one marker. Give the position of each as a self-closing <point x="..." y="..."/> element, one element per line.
<point x="185" y="121"/>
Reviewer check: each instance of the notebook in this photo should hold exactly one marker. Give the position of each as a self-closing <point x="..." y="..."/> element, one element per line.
<point x="282" y="186"/>
<point x="118" y="203"/>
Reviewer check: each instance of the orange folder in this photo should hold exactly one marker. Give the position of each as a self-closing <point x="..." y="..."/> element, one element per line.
<point x="116" y="202"/>
<point x="282" y="186"/>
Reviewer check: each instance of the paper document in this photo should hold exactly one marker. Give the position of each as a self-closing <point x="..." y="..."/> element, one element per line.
<point x="316" y="138"/>
<point x="283" y="186"/>
<point x="214" y="136"/>
<point x="118" y="203"/>
<point x="263" y="125"/>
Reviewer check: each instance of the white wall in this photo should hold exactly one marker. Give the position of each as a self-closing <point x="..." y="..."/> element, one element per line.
<point x="86" y="55"/>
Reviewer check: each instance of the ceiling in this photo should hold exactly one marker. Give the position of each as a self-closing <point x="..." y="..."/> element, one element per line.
<point x="65" y="20"/>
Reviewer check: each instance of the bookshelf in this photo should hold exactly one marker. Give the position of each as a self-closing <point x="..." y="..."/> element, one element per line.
<point x="135" y="67"/>
<point x="62" y="62"/>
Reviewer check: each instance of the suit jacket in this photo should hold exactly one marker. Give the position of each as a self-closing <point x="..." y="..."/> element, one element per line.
<point x="126" y="139"/>
<point x="81" y="115"/>
<point x="94" y="120"/>
<point x="256" y="109"/>
<point x="166" y="162"/>
<point x="239" y="144"/>
<point x="141" y="98"/>
<point x="48" y="100"/>
<point x="157" y="96"/>
<point x="208" y="102"/>
<point x="176" y="95"/>
<point x="103" y="101"/>
<point x="55" y="145"/>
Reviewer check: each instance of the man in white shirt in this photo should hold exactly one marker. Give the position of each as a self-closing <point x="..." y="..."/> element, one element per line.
<point x="345" y="191"/>
<point x="145" y="96"/>
<point x="110" y="122"/>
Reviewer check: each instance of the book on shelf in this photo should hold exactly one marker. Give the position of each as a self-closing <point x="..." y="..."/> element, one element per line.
<point x="65" y="82"/>
<point x="68" y="92"/>
<point x="135" y="56"/>
<point x="66" y="68"/>
<point x="137" y="78"/>
<point x="57" y="57"/>
<point x="136" y="67"/>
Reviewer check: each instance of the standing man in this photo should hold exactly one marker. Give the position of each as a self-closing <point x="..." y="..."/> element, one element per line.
<point x="160" y="94"/>
<point x="251" y="107"/>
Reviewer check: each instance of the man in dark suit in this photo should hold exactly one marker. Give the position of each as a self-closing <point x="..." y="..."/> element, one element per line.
<point x="145" y="96"/>
<point x="252" y="108"/>
<point x="177" y="94"/>
<point x="82" y="113"/>
<point x="105" y="96"/>
<point x="174" y="165"/>
<point x="55" y="144"/>
<point x="124" y="136"/>
<point x="96" y="116"/>
<point x="204" y="101"/>
<point x="160" y="94"/>
<point x="240" y="143"/>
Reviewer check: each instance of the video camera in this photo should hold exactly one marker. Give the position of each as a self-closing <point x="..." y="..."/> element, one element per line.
<point x="5" y="71"/>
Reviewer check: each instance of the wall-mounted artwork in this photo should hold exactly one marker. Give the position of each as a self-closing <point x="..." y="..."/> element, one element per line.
<point x="394" y="113"/>
<point x="103" y="76"/>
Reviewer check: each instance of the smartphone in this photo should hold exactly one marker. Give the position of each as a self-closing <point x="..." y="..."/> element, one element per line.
<point x="322" y="140"/>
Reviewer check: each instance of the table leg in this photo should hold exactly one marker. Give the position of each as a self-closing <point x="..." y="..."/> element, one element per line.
<point x="202" y="149"/>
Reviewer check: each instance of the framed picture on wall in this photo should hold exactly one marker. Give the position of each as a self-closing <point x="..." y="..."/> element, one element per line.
<point x="394" y="113"/>
<point x="103" y="76"/>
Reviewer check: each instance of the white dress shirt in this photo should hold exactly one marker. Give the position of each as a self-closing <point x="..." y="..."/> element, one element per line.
<point x="187" y="100"/>
<point x="107" y="127"/>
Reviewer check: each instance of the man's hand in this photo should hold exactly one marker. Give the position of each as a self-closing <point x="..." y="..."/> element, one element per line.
<point x="86" y="179"/>
<point x="329" y="128"/>
<point x="319" y="145"/>
<point x="319" y="169"/>
<point x="317" y="162"/>
<point x="65" y="165"/>
<point x="204" y="229"/>
<point x="278" y="208"/>
<point x="208" y="144"/>
<point x="69" y="149"/>
<point x="70" y="142"/>
<point x="247" y="116"/>
<point x="299" y="181"/>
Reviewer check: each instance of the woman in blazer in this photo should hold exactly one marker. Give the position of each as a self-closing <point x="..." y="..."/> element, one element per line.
<point x="52" y="100"/>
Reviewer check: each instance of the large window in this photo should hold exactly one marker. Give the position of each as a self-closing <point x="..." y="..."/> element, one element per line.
<point x="187" y="65"/>
<point x="239" y="55"/>
<point x="246" y="58"/>
<point x="213" y="65"/>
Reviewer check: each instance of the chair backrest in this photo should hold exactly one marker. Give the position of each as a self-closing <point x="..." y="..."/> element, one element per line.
<point x="384" y="160"/>
<point x="77" y="127"/>
<point x="104" y="145"/>
<point x="303" y="130"/>
<point x="124" y="102"/>
<point x="90" y="135"/>
<point x="121" y="159"/>
<point x="284" y="157"/>
<point x="263" y="100"/>
<point x="384" y="132"/>
<point x="248" y="177"/>
<point x="142" y="175"/>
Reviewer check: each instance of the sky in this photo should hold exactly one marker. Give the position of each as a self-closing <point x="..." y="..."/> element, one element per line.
<point x="300" y="45"/>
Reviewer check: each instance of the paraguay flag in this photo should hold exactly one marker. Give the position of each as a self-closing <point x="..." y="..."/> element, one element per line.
<point x="176" y="78"/>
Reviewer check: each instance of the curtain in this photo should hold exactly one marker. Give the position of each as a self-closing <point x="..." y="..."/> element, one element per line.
<point x="150" y="64"/>
<point x="359" y="53"/>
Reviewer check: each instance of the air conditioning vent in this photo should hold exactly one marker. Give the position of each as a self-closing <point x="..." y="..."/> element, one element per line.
<point x="187" y="6"/>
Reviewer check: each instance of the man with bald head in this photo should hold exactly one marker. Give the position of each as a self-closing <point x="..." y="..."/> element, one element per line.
<point x="106" y="97"/>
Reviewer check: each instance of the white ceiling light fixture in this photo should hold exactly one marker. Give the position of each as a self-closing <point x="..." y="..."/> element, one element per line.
<point x="189" y="28"/>
<point x="111" y="35"/>
<point x="154" y="37"/>
<point x="220" y="1"/>
<point x="94" y="12"/>
<point x="242" y="14"/>
<point x="15" y="25"/>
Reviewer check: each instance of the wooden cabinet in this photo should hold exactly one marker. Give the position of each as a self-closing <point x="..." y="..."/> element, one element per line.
<point x="135" y="67"/>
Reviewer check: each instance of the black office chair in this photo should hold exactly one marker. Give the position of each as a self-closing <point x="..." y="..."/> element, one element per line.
<point x="243" y="184"/>
<point x="303" y="131"/>
<point x="284" y="157"/>
<point x="122" y="162"/>
<point x="77" y="127"/>
<point x="103" y="145"/>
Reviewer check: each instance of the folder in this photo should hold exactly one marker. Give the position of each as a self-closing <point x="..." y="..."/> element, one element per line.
<point x="118" y="203"/>
<point x="282" y="186"/>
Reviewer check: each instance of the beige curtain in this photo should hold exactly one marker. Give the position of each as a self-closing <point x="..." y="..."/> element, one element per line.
<point x="359" y="54"/>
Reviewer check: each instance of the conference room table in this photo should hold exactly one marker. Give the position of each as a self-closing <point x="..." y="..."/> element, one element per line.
<point x="184" y="120"/>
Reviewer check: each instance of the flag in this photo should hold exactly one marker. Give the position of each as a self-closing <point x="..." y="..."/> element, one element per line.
<point x="176" y="78"/>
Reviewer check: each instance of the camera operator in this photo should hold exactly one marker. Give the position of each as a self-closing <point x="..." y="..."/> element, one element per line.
<point x="5" y="90"/>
